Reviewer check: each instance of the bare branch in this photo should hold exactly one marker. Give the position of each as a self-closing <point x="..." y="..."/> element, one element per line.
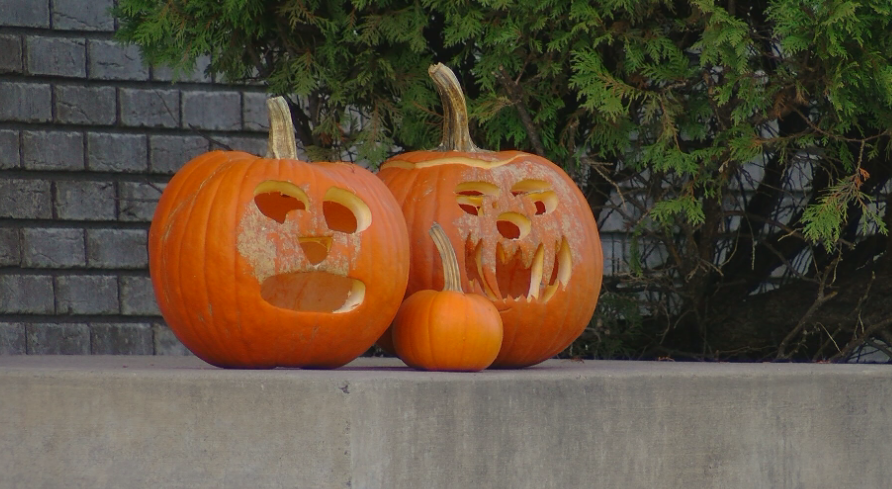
<point x="515" y="93"/>
<point x="829" y="271"/>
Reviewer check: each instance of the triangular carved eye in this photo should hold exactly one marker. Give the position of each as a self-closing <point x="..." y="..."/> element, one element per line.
<point x="539" y="192"/>
<point x="275" y="199"/>
<point x="470" y="195"/>
<point x="345" y="212"/>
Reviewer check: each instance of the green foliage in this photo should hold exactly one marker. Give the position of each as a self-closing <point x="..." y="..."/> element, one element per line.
<point x="692" y="85"/>
<point x="616" y="326"/>
<point x="336" y="60"/>
<point x="706" y="110"/>
<point x="686" y="207"/>
<point x="824" y="221"/>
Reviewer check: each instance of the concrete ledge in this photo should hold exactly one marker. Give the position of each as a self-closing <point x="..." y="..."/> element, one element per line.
<point x="167" y="422"/>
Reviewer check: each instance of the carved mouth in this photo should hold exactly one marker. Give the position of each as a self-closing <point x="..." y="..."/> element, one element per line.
<point x="511" y="279"/>
<point x="314" y="291"/>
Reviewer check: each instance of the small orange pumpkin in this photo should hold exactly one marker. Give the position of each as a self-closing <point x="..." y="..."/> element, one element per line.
<point x="448" y="329"/>
<point x="265" y="262"/>
<point x="525" y="235"/>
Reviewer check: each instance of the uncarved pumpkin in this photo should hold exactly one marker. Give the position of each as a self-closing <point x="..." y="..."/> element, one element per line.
<point x="265" y="262"/>
<point x="447" y="329"/>
<point x="525" y="235"/>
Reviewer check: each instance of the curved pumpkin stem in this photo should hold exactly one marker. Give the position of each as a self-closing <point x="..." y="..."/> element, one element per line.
<point x="451" y="273"/>
<point x="456" y="136"/>
<point x="282" y="144"/>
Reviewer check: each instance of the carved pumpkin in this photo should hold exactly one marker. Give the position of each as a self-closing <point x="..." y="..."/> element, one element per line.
<point x="526" y="236"/>
<point x="447" y="329"/>
<point x="265" y="262"/>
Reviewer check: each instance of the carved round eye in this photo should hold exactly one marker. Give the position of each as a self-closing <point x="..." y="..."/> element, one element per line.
<point x="275" y="199"/>
<point x="539" y="192"/>
<point x="470" y="195"/>
<point x="513" y="225"/>
<point x="545" y="201"/>
<point x="345" y="212"/>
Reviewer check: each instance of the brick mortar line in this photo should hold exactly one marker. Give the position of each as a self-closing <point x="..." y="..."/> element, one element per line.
<point x="73" y="224"/>
<point x="87" y="56"/>
<point x="80" y="319"/>
<point x="129" y="130"/>
<point x="95" y="35"/>
<point x="87" y="176"/>
<point x="149" y="83"/>
<point x="21" y="140"/>
<point x="54" y="211"/>
<point x="116" y="185"/>
<point x="80" y="271"/>
<point x="52" y="8"/>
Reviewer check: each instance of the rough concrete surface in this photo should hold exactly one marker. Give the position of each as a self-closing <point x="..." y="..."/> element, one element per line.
<point x="175" y="422"/>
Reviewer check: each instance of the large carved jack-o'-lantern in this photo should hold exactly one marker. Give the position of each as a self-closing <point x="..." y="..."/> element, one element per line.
<point x="530" y="242"/>
<point x="266" y="262"/>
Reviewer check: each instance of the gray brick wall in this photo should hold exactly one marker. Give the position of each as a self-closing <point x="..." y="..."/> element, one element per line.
<point x="89" y="137"/>
<point x="12" y="338"/>
<point x="25" y="13"/>
<point x="25" y="199"/>
<point x="77" y="104"/>
<point x="86" y="294"/>
<point x="11" y="54"/>
<point x="80" y="15"/>
<point x="10" y="247"/>
<point x="26" y="294"/>
<point x="26" y="102"/>
<point x="57" y="338"/>
<point x="112" y="61"/>
<point x="150" y="107"/>
<point x="9" y="149"/>
<point x="85" y="201"/>
<point x="53" y="248"/>
<point x="167" y="154"/>
<point x="53" y="150"/>
<point x="122" y="153"/>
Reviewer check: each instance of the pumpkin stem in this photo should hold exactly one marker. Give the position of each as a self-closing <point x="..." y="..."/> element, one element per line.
<point x="281" y="130"/>
<point x="451" y="273"/>
<point x="456" y="136"/>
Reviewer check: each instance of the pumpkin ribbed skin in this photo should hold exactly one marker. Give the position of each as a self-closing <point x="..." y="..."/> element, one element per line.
<point x="447" y="330"/>
<point x="228" y="277"/>
<point x="534" y="330"/>
<point x="525" y="235"/>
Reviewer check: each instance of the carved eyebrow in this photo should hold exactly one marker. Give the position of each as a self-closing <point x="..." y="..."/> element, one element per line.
<point x="345" y="212"/>
<point x="275" y="199"/>
<point x="529" y="186"/>
<point x="478" y="188"/>
<point x="540" y="192"/>
<point x="469" y="195"/>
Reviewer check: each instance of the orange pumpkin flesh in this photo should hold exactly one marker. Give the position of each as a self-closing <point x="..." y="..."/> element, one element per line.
<point x="525" y="235"/>
<point x="448" y="329"/>
<point x="266" y="262"/>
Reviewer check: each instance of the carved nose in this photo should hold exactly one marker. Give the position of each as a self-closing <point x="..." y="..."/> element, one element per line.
<point x="513" y="225"/>
<point x="315" y="248"/>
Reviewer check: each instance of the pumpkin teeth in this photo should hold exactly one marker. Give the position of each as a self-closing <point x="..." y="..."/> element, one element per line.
<point x="536" y="273"/>
<point x="516" y="278"/>
<point x="560" y="275"/>
<point x="487" y="286"/>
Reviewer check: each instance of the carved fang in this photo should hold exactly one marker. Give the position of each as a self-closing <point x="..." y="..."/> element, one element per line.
<point x="536" y="272"/>
<point x="560" y="277"/>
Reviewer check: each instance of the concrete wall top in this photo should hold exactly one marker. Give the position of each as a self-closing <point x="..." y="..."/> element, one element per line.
<point x="176" y="422"/>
